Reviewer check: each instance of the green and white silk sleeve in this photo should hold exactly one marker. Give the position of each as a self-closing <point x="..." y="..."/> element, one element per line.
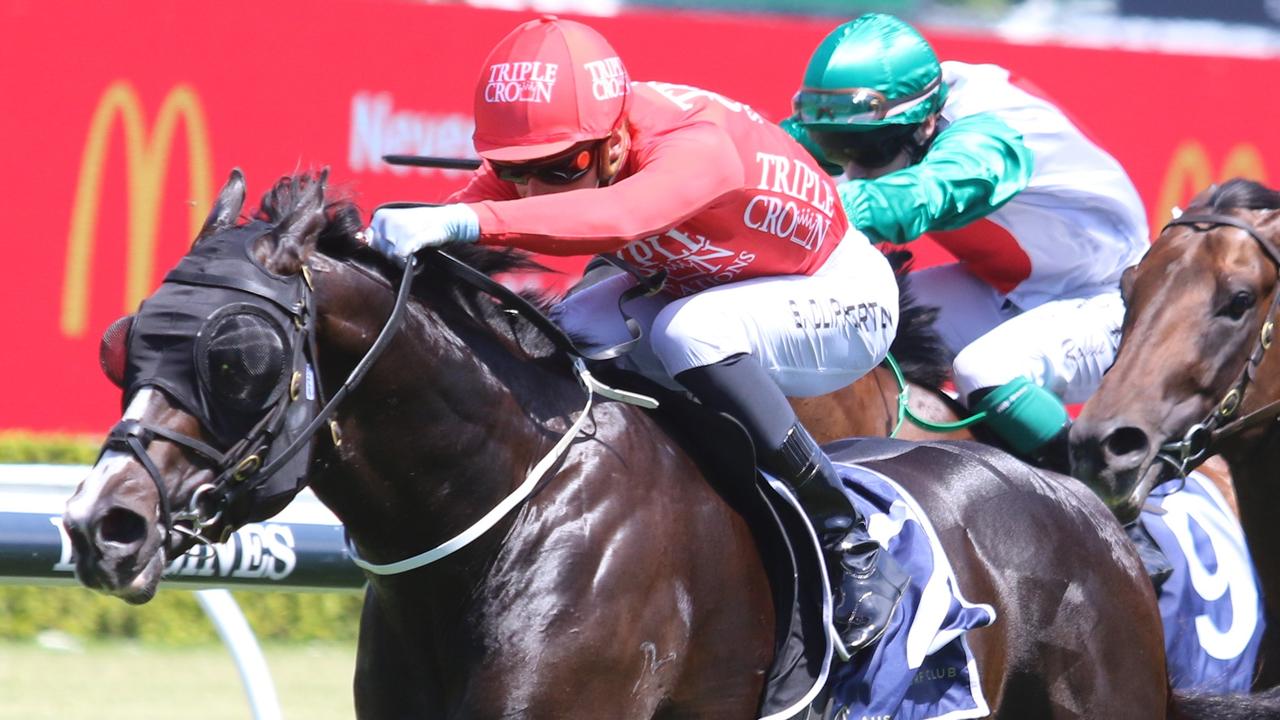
<point x="974" y="166"/>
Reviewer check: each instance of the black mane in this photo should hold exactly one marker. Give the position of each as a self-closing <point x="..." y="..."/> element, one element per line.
<point x="338" y="239"/>
<point x="1244" y="194"/>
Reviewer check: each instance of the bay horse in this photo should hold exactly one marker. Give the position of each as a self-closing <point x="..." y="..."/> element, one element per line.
<point x="626" y="585"/>
<point x="1193" y="376"/>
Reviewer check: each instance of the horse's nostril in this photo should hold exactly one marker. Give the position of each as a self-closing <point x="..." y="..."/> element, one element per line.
<point x="122" y="526"/>
<point x="1125" y="441"/>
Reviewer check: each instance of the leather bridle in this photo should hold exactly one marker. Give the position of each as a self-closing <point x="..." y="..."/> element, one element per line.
<point x="1204" y="438"/>
<point x="243" y="470"/>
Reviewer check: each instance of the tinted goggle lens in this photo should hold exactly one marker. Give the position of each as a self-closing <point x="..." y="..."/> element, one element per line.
<point x="560" y="170"/>
<point x="840" y="106"/>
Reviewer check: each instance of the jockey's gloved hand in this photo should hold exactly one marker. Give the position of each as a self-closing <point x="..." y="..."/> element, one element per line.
<point x="401" y="232"/>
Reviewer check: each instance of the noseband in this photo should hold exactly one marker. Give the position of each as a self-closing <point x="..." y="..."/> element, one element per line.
<point x="1204" y="437"/>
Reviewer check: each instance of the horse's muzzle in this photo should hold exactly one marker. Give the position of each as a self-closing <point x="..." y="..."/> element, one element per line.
<point x="1114" y="459"/>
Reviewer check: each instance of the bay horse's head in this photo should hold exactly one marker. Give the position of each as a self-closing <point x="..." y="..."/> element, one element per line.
<point x="1200" y="308"/>
<point x="218" y="384"/>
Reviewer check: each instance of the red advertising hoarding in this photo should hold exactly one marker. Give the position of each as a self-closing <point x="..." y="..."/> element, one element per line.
<point x="122" y="119"/>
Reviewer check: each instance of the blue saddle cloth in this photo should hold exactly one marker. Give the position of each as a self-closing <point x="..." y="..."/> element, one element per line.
<point x="1211" y="604"/>
<point x="922" y="667"/>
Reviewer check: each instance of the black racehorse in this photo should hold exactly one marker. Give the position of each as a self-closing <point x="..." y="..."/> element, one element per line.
<point x="584" y="564"/>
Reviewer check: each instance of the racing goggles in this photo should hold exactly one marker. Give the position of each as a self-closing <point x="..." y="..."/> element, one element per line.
<point x="870" y="150"/>
<point x="853" y="106"/>
<point x="562" y="169"/>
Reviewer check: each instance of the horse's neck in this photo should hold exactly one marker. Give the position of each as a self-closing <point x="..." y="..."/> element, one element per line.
<point x="445" y="424"/>
<point x="1253" y="470"/>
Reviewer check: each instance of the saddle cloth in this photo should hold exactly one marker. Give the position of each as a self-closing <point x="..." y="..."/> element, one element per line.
<point x="1211" y="603"/>
<point x="922" y="667"/>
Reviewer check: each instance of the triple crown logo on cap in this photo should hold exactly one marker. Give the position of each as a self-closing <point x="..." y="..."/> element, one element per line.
<point x="521" y="82"/>
<point x="608" y="78"/>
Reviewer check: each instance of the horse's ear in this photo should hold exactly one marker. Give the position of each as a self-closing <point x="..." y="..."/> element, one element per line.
<point x="296" y="234"/>
<point x="1203" y="197"/>
<point x="226" y="208"/>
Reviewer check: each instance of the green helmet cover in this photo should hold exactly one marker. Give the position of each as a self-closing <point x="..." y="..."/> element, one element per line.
<point x="870" y="72"/>
<point x="797" y="131"/>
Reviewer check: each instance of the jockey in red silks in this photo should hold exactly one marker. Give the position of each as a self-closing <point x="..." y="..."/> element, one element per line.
<point x="769" y="292"/>
<point x="1041" y="220"/>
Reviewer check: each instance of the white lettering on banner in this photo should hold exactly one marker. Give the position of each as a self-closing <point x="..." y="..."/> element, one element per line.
<point x="378" y="129"/>
<point x="520" y="82"/>
<point x="1233" y="576"/>
<point x="608" y="78"/>
<point x="254" y="551"/>
<point x="683" y="95"/>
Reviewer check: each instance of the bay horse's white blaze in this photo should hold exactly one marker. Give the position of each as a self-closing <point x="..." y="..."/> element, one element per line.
<point x="81" y="506"/>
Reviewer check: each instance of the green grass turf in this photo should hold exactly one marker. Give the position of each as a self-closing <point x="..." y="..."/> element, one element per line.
<point x="125" y="680"/>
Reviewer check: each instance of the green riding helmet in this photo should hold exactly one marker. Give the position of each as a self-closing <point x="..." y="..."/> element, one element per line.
<point x="868" y="73"/>
<point x="797" y="131"/>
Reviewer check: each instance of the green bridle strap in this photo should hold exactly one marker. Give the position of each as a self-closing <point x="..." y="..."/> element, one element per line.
<point x="905" y="412"/>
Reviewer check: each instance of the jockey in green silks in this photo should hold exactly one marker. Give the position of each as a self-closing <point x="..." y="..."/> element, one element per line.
<point x="1041" y="221"/>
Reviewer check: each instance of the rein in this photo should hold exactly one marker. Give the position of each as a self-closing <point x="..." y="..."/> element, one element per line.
<point x="1203" y="438"/>
<point x="515" y="303"/>
<point x="906" y="413"/>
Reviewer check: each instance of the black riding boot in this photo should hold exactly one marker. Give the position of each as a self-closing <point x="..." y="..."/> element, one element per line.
<point x="865" y="586"/>
<point x="1153" y="558"/>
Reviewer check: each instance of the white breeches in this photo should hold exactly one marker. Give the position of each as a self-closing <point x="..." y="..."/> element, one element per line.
<point x="814" y="334"/>
<point x="1064" y="345"/>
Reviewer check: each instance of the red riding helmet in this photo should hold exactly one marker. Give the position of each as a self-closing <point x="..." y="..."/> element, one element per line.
<point x="547" y="86"/>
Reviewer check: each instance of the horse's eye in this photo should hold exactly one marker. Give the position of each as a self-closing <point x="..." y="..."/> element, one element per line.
<point x="242" y="360"/>
<point x="1240" y="304"/>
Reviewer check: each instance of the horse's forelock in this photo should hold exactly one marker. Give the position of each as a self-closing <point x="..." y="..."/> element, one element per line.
<point x="1243" y="194"/>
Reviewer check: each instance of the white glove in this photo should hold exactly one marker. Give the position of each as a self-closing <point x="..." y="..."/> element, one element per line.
<point x="401" y="232"/>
